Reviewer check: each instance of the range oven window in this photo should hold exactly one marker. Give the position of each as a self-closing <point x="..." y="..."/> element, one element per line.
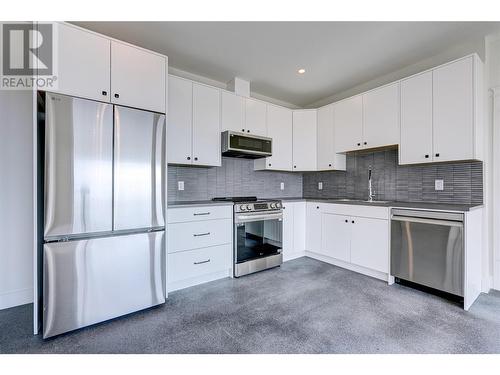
<point x="257" y="239"/>
<point x="240" y="142"/>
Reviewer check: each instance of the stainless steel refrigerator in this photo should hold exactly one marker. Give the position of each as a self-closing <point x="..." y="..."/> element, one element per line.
<point x="103" y="212"/>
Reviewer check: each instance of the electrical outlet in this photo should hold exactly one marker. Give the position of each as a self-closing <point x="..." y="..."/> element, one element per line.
<point x="282" y="186"/>
<point x="320" y="186"/>
<point x="180" y="185"/>
<point x="438" y="184"/>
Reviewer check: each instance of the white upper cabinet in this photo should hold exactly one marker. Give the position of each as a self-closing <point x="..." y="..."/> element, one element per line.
<point x="453" y="110"/>
<point x="193" y="132"/>
<point x="328" y="159"/>
<point x="179" y="129"/>
<point x="348" y="119"/>
<point x="232" y="112"/>
<point x="416" y="119"/>
<point x="83" y="63"/>
<point x="304" y="140"/>
<point x="255" y="117"/>
<point x="439" y="110"/>
<point x="279" y="128"/>
<point x="206" y="126"/>
<point x="381" y="117"/>
<point x="138" y="78"/>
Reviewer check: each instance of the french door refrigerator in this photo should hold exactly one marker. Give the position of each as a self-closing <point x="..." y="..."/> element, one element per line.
<point x="103" y="212"/>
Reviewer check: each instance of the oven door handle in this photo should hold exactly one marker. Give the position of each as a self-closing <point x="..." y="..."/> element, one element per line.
<point x="247" y="218"/>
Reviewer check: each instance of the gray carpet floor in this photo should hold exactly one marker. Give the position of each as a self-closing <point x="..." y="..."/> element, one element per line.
<point x="305" y="306"/>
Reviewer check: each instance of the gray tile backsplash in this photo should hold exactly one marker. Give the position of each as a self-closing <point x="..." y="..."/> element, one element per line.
<point x="463" y="181"/>
<point x="235" y="177"/>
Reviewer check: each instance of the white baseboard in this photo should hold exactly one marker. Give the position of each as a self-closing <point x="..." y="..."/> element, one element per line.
<point x="352" y="267"/>
<point x="287" y="257"/>
<point x="16" y="298"/>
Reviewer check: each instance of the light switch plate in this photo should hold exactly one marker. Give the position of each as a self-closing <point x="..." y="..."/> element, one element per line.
<point x="282" y="186"/>
<point x="438" y="184"/>
<point x="180" y="185"/>
<point x="320" y="186"/>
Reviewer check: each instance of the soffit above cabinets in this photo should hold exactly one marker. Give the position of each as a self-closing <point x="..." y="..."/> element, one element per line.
<point x="337" y="56"/>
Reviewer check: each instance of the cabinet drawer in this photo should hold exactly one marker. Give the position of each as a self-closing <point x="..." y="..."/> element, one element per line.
<point x="185" y="214"/>
<point x="198" y="234"/>
<point x="354" y="210"/>
<point x="199" y="262"/>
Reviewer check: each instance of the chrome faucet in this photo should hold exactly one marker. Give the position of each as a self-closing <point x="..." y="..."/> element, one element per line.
<point x="371" y="194"/>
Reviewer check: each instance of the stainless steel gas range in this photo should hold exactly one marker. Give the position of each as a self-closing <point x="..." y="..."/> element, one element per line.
<point x="258" y="234"/>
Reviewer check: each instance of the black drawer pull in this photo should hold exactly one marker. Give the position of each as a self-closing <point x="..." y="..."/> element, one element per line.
<point x="201" y="213"/>
<point x="426" y="156"/>
<point x="346" y="220"/>
<point x="117" y="96"/>
<point x="104" y="93"/>
<point x="352" y="221"/>
<point x="437" y="155"/>
<point x="201" y="234"/>
<point x="203" y="261"/>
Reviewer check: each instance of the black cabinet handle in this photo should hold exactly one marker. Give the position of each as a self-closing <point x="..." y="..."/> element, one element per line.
<point x="317" y="207"/>
<point x="329" y="165"/>
<point x="243" y="130"/>
<point x="269" y="164"/>
<point x="365" y="143"/>
<point x="117" y="96"/>
<point x="248" y="131"/>
<point x="426" y="156"/>
<point x="346" y="220"/>
<point x="352" y="221"/>
<point x="295" y="166"/>
<point x="195" y="158"/>
<point x="189" y="158"/>
<point x="104" y="93"/>
<point x="437" y="155"/>
<point x="359" y="144"/>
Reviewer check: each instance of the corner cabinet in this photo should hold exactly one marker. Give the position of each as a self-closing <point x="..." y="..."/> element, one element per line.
<point x="328" y="159"/>
<point x="304" y="140"/>
<point x="193" y="131"/>
<point x="440" y="110"/>
<point x="369" y="120"/>
<point x="279" y="128"/>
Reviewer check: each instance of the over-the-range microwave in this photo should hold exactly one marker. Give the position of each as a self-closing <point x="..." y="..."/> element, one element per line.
<point x="247" y="146"/>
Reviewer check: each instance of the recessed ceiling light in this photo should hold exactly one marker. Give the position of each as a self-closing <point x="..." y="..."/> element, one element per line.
<point x="301" y="71"/>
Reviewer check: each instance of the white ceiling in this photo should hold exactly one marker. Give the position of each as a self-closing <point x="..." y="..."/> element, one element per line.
<point x="336" y="55"/>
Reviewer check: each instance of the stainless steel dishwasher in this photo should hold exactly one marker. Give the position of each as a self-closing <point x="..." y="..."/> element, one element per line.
<point x="427" y="248"/>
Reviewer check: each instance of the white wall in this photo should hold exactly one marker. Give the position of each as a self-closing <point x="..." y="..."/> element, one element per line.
<point x="16" y="198"/>
<point x="493" y="122"/>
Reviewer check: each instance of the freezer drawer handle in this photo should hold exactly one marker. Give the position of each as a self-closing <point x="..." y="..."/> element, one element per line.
<point x="201" y="213"/>
<point x="203" y="261"/>
<point x="201" y="234"/>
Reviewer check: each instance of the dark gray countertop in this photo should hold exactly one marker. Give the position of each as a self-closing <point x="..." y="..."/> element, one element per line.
<point x="416" y="205"/>
<point x="198" y="203"/>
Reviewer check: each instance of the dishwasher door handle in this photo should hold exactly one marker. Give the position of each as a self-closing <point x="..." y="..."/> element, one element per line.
<point x="448" y="223"/>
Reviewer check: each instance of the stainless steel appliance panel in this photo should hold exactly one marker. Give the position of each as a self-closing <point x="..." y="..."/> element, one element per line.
<point x="428" y="249"/>
<point x="139" y="165"/>
<point x="78" y="166"/>
<point x="89" y="281"/>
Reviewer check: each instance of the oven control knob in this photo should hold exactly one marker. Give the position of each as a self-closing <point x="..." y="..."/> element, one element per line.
<point x="273" y="205"/>
<point x="242" y="207"/>
<point x="249" y="207"/>
<point x="278" y="205"/>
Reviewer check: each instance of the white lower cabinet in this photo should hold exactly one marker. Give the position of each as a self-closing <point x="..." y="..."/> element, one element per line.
<point x="294" y="230"/>
<point x="370" y="243"/>
<point x="336" y="237"/>
<point x="351" y="236"/>
<point x="199" y="245"/>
